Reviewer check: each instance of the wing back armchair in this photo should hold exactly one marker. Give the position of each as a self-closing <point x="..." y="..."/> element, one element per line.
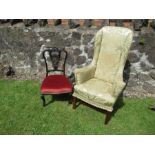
<point x="101" y="82"/>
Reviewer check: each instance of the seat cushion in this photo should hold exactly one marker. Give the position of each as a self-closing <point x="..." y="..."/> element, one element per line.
<point x="98" y="92"/>
<point x="56" y="84"/>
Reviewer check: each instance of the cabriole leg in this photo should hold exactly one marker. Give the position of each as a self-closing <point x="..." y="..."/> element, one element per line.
<point x="74" y="102"/>
<point x="107" y="118"/>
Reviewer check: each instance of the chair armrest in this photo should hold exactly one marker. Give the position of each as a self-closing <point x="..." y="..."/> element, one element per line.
<point x="118" y="87"/>
<point x="84" y="74"/>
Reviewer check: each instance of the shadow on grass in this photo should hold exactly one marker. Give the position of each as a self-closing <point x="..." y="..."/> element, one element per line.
<point x="118" y="105"/>
<point x="68" y="97"/>
<point x="51" y="101"/>
<point x="58" y="97"/>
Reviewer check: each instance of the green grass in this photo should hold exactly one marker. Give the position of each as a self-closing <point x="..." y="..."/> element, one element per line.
<point x="21" y="112"/>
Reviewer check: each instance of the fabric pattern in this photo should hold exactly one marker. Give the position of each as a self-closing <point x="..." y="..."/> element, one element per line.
<point x="101" y="82"/>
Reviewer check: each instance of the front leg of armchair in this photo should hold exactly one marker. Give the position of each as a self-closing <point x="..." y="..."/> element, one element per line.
<point x="74" y="99"/>
<point x="107" y="117"/>
<point x="84" y="74"/>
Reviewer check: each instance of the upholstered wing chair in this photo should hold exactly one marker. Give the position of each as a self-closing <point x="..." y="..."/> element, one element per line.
<point x="101" y="82"/>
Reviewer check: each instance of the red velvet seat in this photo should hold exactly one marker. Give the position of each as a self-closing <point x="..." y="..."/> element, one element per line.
<point x="56" y="84"/>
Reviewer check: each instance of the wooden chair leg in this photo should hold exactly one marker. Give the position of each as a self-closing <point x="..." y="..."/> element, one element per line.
<point x="70" y="100"/>
<point x="107" y="118"/>
<point x="74" y="99"/>
<point x="43" y="98"/>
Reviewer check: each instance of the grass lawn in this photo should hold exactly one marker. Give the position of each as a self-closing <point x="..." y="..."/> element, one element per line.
<point x="21" y="112"/>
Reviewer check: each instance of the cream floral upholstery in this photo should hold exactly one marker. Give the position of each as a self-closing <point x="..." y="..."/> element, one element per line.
<point x="101" y="82"/>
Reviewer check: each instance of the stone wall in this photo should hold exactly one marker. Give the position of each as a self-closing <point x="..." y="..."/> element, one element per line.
<point x="21" y="48"/>
<point x="141" y="70"/>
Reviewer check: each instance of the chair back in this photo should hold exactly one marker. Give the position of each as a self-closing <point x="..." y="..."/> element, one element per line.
<point x="55" y="60"/>
<point x="111" y="50"/>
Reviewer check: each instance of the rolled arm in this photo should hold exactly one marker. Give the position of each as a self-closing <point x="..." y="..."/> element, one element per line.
<point x="84" y="74"/>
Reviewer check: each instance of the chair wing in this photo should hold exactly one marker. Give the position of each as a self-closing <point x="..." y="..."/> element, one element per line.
<point x="101" y="82"/>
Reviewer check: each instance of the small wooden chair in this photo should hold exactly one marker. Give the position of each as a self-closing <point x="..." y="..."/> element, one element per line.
<point x="56" y="83"/>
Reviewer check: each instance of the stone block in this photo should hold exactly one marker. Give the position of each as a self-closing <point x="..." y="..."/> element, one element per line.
<point x="87" y="38"/>
<point x="145" y="67"/>
<point x="73" y="23"/>
<point x="149" y="86"/>
<point x="151" y="56"/>
<point x="80" y="60"/>
<point x="152" y="74"/>
<point x="144" y="77"/>
<point x="68" y="42"/>
<point x="138" y="23"/>
<point x="76" y="35"/>
<point x="132" y="83"/>
<point x="133" y="57"/>
<point x="70" y="59"/>
<point x="88" y="23"/>
<point x="77" y="52"/>
<point x="149" y="46"/>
